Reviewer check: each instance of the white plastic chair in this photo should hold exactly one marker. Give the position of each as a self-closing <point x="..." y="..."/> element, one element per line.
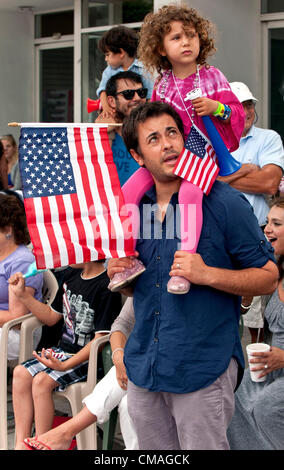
<point x="87" y="438"/>
<point x="28" y="324"/>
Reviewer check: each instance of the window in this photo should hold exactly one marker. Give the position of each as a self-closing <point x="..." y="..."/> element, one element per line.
<point x="54" y="23"/>
<point x="56" y="84"/>
<point x="277" y="80"/>
<point x="272" y="6"/>
<point x="97" y="15"/>
<point x="104" y="12"/>
<point x="93" y="64"/>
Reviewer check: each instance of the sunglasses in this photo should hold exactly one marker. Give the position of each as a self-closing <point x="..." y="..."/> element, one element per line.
<point x="129" y="94"/>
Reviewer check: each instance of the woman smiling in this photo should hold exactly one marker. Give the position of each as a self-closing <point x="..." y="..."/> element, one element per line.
<point x="258" y="423"/>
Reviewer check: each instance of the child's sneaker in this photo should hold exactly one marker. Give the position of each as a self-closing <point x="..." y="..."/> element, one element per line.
<point x="121" y="280"/>
<point x="178" y="285"/>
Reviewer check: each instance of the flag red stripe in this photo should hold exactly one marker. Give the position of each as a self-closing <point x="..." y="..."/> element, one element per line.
<point x="86" y="182"/>
<point x="210" y="177"/>
<point x="50" y="231"/>
<point x="207" y="165"/>
<point x="186" y="156"/>
<point x="128" y="242"/>
<point x="80" y="227"/>
<point x="65" y="230"/>
<point x="114" y="179"/>
<point x="115" y="184"/>
<point x="213" y="177"/>
<point x="182" y="160"/>
<point x="102" y="191"/>
<point x="34" y="233"/>
<point x="195" y="164"/>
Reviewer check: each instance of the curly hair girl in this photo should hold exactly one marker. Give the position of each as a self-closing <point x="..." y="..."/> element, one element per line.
<point x="156" y="25"/>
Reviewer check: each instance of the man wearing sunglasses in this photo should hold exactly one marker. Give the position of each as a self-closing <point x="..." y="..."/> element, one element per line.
<point x="124" y="92"/>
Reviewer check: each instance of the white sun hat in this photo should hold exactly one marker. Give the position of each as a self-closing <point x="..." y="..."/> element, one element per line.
<point x="242" y="92"/>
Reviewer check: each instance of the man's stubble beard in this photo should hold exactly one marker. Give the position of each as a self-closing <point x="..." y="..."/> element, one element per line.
<point x="119" y="116"/>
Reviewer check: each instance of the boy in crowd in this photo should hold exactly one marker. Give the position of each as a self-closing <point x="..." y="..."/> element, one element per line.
<point x="119" y="45"/>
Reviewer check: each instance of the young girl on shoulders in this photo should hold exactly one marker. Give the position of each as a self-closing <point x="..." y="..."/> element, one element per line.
<point x="175" y="42"/>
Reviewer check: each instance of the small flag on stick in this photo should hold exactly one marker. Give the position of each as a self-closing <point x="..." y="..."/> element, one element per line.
<point x="197" y="163"/>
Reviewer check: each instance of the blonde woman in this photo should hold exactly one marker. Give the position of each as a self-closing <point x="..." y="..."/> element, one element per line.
<point x="11" y="155"/>
<point x="3" y="169"/>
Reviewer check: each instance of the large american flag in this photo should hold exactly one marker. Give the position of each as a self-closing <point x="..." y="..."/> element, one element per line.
<point x="197" y="162"/>
<point x="72" y="194"/>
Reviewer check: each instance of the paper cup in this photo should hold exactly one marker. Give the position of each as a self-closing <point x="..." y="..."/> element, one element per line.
<point x="256" y="347"/>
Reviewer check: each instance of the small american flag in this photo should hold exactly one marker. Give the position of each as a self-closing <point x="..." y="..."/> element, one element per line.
<point x="197" y="162"/>
<point x="72" y="194"/>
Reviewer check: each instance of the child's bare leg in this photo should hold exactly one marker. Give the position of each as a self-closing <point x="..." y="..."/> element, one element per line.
<point x="23" y="404"/>
<point x="42" y="389"/>
<point x="61" y="437"/>
<point x="133" y="190"/>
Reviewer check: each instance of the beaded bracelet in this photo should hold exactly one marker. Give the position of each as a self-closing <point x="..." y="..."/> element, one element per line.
<point x="117" y="349"/>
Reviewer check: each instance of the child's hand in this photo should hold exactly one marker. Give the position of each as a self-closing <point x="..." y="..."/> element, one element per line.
<point x="107" y="119"/>
<point x="50" y="361"/>
<point x="118" y="265"/>
<point x="205" y="106"/>
<point x="17" y="284"/>
<point x="107" y="112"/>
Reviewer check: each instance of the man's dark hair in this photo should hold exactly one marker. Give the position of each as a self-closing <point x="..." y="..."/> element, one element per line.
<point x="111" y="86"/>
<point x="139" y="115"/>
<point x="119" y="37"/>
<point x="1" y="149"/>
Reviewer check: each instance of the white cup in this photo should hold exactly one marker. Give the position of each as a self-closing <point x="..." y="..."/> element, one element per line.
<point x="256" y="347"/>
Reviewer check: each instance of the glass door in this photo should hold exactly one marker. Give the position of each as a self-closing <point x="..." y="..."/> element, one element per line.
<point x="97" y="16"/>
<point x="276" y="89"/>
<point x="55" y="83"/>
<point x="272" y="99"/>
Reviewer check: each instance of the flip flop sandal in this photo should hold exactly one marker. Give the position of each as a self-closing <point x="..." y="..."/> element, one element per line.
<point x="33" y="443"/>
<point x="28" y="446"/>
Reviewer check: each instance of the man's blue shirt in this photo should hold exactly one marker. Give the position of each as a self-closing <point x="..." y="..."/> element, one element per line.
<point x="260" y="147"/>
<point x="124" y="162"/>
<point x="182" y="343"/>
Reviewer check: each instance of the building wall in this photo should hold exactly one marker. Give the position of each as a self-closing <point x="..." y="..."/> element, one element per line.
<point x="16" y="78"/>
<point x="238" y="55"/>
